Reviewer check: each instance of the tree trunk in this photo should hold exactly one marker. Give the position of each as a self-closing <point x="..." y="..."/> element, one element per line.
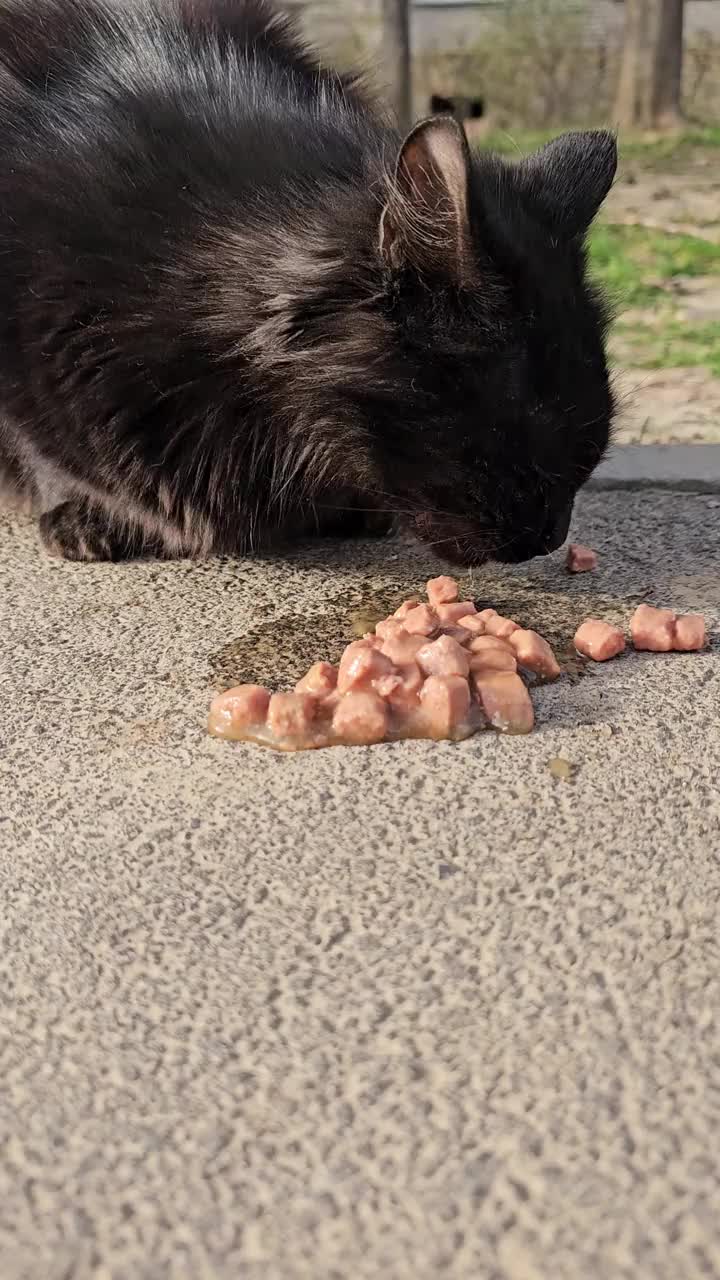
<point x="650" y="84"/>
<point x="668" y="79"/>
<point x="396" y="57"/>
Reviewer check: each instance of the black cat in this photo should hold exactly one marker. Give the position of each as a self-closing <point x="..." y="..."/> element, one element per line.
<point x="236" y="306"/>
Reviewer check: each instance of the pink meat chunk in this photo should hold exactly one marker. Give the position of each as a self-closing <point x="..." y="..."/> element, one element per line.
<point x="421" y="621"/>
<point x="360" y="665"/>
<point x="444" y="657"/>
<point x="361" y="718"/>
<point x="233" y="712"/>
<point x="493" y="658"/>
<point x="690" y="632"/>
<point x="472" y="622"/>
<point x="389" y="627"/>
<point x="445" y="705"/>
<point x="505" y="701"/>
<point x="653" y="629"/>
<point x="496" y="625"/>
<point x="461" y="634"/>
<point x="402" y="689"/>
<point x="534" y="653"/>
<point x="406" y="607"/>
<point x="327" y="705"/>
<point x="320" y="680"/>
<point x="449" y="613"/>
<point x="505" y="628"/>
<point x="479" y="644"/>
<point x="290" y="715"/>
<point x="401" y="647"/>
<point x="580" y="559"/>
<point x="442" y="591"/>
<point x="599" y="640"/>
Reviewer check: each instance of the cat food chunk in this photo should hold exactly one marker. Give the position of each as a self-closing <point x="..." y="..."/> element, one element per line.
<point x="449" y="613"/>
<point x="472" y="622"/>
<point x="401" y="689"/>
<point x="402" y="647"/>
<point x="320" y="680"/>
<point x="232" y="712"/>
<point x="690" y="632"/>
<point x="421" y="621"/>
<point x="441" y="591"/>
<point x="496" y="625"/>
<point x="599" y="640"/>
<point x="580" y="559"/>
<point x="445" y="706"/>
<point x="479" y="644"/>
<point x="389" y="627"/>
<point x="493" y="658"/>
<point x="534" y="653"/>
<point x="661" y="630"/>
<point x="361" y="718"/>
<point x="443" y="657"/>
<point x="505" y="700"/>
<point x="290" y="715"/>
<point x="458" y="633"/>
<point x="405" y="608"/>
<point x="360" y="664"/>
<point x="653" y="629"/>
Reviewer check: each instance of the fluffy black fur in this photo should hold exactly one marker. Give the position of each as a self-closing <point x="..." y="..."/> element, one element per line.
<point x="236" y="305"/>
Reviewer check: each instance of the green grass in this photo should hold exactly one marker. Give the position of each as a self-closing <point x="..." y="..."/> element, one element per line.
<point x="670" y="345"/>
<point x="632" y="262"/>
<point x="666" y="150"/>
<point x="518" y="142"/>
<point x="655" y="151"/>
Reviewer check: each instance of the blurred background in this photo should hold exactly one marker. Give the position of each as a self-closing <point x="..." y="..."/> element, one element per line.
<point x="516" y="72"/>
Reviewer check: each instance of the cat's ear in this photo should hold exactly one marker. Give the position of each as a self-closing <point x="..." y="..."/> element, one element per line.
<point x="567" y="180"/>
<point x="426" y="221"/>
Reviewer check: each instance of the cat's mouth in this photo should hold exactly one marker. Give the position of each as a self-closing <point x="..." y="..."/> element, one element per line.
<point x="458" y="541"/>
<point x="464" y="542"/>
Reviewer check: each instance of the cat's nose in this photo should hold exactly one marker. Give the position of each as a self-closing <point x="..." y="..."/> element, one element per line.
<point x="542" y="543"/>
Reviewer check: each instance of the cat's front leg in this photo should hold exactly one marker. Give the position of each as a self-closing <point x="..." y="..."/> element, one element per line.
<point x="79" y="529"/>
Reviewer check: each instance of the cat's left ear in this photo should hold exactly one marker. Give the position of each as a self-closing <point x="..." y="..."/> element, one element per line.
<point x="426" y="221"/>
<point x="567" y="180"/>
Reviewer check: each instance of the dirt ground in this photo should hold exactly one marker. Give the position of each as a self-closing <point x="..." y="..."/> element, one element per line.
<point x="671" y="405"/>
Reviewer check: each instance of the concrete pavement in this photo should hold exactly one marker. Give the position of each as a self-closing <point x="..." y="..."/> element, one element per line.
<point x="404" y="1012"/>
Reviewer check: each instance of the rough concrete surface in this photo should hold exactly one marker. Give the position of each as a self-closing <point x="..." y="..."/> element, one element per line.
<point x="404" y="1012"/>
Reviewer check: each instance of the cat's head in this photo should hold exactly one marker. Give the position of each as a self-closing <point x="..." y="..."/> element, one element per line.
<point x="497" y="338"/>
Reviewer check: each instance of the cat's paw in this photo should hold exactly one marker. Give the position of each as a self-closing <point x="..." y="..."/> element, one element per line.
<point x="78" y="530"/>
